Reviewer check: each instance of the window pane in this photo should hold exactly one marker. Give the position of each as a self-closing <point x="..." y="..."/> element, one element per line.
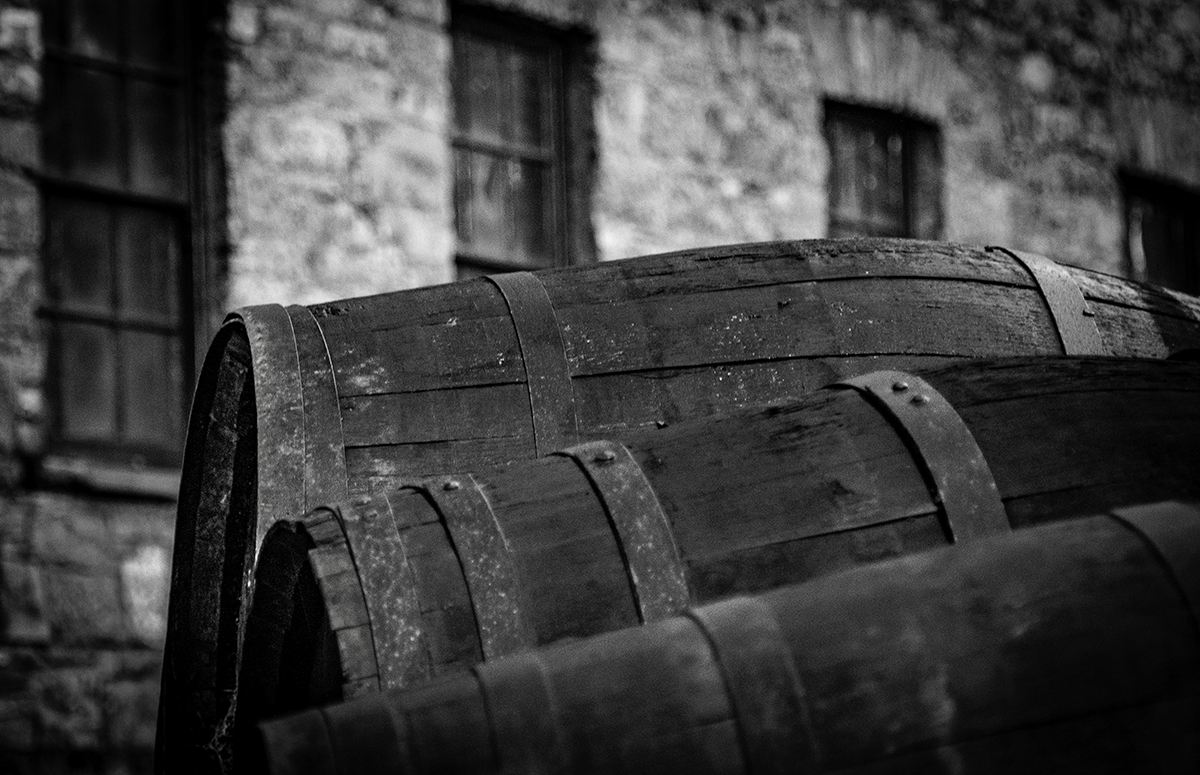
<point x="487" y="101"/>
<point x="87" y="382"/>
<point x="156" y="139"/>
<point x="484" y="181"/>
<point x="147" y="261"/>
<point x="531" y="221"/>
<point x="1159" y="240"/>
<point x="151" y="388"/>
<point x="154" y="39"/>
<point x="94" y="28"/>
<point x="530" y="80"/>
<point x="92" y="129"/>
<point x="79" y="240"/>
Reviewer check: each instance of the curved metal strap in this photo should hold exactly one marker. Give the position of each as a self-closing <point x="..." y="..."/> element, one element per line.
<point x="1074" y="320"/>
<point x="486" y="559"/>
<point x="524" y="715"/>
<point x="325" y="479"/>
<point x="763" y="684"/>
<point x="962" y="482"/>
<point x="345" y="604"/>
<point x="279" y="401"/>
<point x="551" y="398"/>
<point x="1173" y="528"/>
<point x="656" y="573"/>
<point x="389" y="591"/>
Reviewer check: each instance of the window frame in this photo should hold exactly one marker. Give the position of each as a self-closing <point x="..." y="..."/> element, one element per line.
<point x="568" y="119"/>
<point x="196" y="209"/>
<point x="1173" y="197"/>
<point x="913" y="131"/>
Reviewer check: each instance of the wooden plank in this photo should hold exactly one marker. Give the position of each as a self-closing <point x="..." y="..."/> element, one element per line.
<point x="848" y="317"/>
<point x="472" y="352"/>
<point x="399" y="463"/>
<point x="822" y="465"/>
<point x="564" y="548"/>
<point x="772" y="566"/>
<point x="449" y="623"/>
<point x="763" y="264"/>
<point x="461" y="414"/>
<point x="430" y="306"/>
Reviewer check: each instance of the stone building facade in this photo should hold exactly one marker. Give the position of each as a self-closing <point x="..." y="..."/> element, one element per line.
<point x="322" y="164"/>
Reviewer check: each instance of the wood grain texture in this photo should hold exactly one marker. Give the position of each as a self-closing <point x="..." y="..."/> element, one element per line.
<point x="432" y="380"/>
<point x="1064" y="644"/>
<point x="765" y="497"/>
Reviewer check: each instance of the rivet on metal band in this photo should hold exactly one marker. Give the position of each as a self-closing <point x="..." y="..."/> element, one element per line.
<point x="551" y="397"/>
<point x="1169" y="528"/>
<point x="486" y="558"/>
<point x="961" y="481"/>
<point x="1073" y="319"/>
<point x="656" y="573"/>
<point x="763" y="684"/>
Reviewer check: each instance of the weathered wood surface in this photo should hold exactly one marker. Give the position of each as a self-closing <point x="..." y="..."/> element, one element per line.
<point x="1070" y="647"/>
<point x="748" y="501"/>
<point x="353" y="397"/>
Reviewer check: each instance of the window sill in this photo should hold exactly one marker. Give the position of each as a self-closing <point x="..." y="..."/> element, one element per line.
<point x="61" y="472"/>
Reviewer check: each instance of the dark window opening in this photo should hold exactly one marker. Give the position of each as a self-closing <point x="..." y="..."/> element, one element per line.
<point x="885" y="173"/>
<point x="1163" y="233"/>
<point x="516" y="91"/>
<point x="120" y="209"/>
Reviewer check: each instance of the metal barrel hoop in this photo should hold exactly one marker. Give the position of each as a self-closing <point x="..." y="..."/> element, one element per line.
<point x="962" y="483"/>
<point x="1074" y="320"/>
<point x="1169" y="527"/>
<point x="493" y="584"/>
<point x="652" y="562"/>
<point x="547" y="374"/>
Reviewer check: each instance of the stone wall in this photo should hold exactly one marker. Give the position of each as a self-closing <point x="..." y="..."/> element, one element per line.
<point x="708" y="130"/>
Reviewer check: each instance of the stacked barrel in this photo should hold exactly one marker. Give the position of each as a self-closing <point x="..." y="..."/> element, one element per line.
<point x="389" y="489"/>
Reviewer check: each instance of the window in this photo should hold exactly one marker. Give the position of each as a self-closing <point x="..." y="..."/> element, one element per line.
<point x="1163" y="222"/>
<point x="885" y="174"/>
<point x="512" y="146"/>
<point x="117" y="207"/>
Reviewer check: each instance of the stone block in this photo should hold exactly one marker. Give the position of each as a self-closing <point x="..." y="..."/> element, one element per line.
<point x="72" y="533"/>
<point x="357" y="43"/>
<point x="20" y="32"/>
<point x="20" y="82"/>
<point x="22" y="599"/>
<point x="69" y="704"/>
<point x="19" y="143"/>
<point x="18" y="718"/>
<point x="245" y="23"/>
<point x="20" y="213"/>
<point x="131" y="710"/>
<point x="145" y="584"/>
<point x="84" y="608"/>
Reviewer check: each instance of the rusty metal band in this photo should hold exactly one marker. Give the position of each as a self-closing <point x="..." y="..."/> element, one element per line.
<point x="389" y="591"/>
<point x="345" y="604"/>
<point x="547" y="376"/>
<point x="652" y="562"/>
<point x="1172" y="528"/>
<point x="278" y="398"/>
<point x="325" y="479"/>
<point x="773" y="717"/>
<point x="959" y="476"/>
<point x="486" y="558"/>
<point x="524" y="715"/>
<point x="1073" y="318"/>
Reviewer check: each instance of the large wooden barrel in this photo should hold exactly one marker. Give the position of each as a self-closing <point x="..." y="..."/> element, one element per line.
<point x="1067" y="648"/>
<point x="451" y="570"/>
<point x="303" y="406"/>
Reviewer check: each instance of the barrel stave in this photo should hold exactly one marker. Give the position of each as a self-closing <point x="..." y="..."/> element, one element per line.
<point x="1055" y="644"/>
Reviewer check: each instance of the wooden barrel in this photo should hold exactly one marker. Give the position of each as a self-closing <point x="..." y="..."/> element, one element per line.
<point x="1067" y="648"/>
<point x="304" y="406"/>
<point x="451" y="570"/>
